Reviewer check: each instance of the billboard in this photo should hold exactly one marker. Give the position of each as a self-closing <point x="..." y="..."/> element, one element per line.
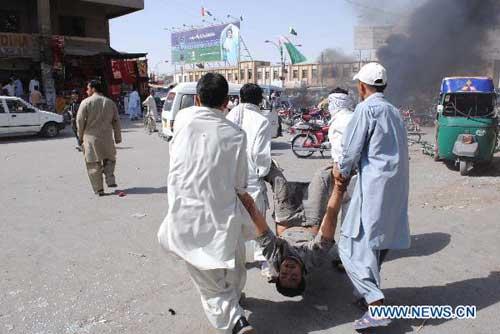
<point x="210" y="44"/>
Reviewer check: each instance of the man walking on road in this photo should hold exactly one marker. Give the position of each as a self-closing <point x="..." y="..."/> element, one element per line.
<point x="204" y="222"/>
<point x="377" y="219"/>
<point x="150" y="104"/>
<point x="97" y="122"/>
<point x="73" y="110"/>
<point x="134" y="105"/>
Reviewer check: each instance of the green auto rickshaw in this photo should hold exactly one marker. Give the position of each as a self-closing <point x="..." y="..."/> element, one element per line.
<point x="467" y="123"/>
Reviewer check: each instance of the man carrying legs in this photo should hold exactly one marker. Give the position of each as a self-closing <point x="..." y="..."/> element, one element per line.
<point x="377" y="219"/>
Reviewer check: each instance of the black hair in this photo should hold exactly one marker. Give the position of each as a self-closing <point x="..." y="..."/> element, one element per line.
<point x="339" y="90"/>
<point x="251" y="93"/>
<point x="212" y="89"/>
<point x="292" y="292"/>
<point x="97" y="85"/>
<point x="378" y="89"/>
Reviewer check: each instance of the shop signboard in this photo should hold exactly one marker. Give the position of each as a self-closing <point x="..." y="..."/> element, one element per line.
<point x="18" y="46"/>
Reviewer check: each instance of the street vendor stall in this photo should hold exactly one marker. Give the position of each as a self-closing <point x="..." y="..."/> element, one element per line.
<point x="85" y="59"/>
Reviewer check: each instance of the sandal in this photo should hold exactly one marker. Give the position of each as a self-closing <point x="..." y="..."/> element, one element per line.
<point x="366" y="322"/>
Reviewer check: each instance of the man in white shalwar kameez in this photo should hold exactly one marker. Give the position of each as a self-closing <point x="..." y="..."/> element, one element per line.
<point x="257" y="128"/>
<point x="134" y="105"/>
<point x="150" y="104"/>
<point x="205" y="219"/>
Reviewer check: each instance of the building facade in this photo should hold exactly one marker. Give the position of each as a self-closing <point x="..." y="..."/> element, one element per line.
<point x="35" y="35"/>
<point x="289" y="76"/>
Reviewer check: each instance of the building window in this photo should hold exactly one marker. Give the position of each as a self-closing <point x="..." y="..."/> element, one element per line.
<point x="250" y="74"/>
<point x="72" y="26"/>
<point x="190" y="77"/>
<point x="259" y="75"/>
<point x="295" y="74"/>
<point x="230" y="77"/>
<point x="314" y="73"/>
<point x="242" y="74"/>
<point x="266" y="75"/>
<point x="275" y="75"/>
<point x="9" y="22"/>
<point x="305" y="74"/>
<point x="236" y="77"/>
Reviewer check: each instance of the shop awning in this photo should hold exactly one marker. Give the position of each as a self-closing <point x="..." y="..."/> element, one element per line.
<point x="85" y="48"/>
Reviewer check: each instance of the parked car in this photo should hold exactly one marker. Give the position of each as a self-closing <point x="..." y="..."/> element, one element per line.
<point x="18" y="117"/>
<point x="183" y="96"/>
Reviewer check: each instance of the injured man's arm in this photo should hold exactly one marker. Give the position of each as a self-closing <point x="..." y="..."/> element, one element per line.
<point x="258" y="219"/>
<point x="329" y="223"/>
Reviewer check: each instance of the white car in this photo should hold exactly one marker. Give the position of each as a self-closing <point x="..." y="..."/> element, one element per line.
<point x="183" y="96"/>
<point x="18" y="117"/>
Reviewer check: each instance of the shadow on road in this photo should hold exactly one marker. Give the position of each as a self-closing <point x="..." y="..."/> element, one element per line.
<point x="491" y="170"/>
<point x="145" y="190"/>
<point x="481" y="292"/>
<point x="280" y="145"/>
<point x="303" y="316"/>
<point x="422" y="245"/>
<point x="66" y="133"/>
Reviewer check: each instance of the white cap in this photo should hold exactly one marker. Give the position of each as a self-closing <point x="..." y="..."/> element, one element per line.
<point x="372" y="74"/>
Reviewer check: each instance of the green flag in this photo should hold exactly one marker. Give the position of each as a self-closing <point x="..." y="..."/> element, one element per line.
<point x="295" y="55"/>
<point x="293" y="32"/>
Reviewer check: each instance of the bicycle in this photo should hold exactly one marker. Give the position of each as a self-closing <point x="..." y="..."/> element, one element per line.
<point x="149" y="123"/>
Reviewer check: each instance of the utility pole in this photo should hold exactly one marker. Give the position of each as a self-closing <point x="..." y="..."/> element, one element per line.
<point x="46" y="61"/>
<point x="282" y="60"/>
<point x="321" y="66"/>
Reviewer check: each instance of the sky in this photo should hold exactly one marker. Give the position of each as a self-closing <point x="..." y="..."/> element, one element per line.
<point x="320" y="24"/>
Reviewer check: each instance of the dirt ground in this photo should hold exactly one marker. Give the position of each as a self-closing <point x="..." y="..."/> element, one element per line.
<point x="75" y="263"/>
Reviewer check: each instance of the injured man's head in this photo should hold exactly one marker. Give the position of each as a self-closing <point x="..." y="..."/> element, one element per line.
<point x="291" y="277"/>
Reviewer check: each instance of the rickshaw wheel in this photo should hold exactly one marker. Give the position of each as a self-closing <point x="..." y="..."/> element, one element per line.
<point x="464" y="167"/>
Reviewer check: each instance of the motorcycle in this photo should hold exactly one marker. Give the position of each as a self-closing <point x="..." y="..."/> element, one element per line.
<point x="311" y="137"/>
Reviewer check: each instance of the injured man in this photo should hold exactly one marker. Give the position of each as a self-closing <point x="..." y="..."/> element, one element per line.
<point x="297" y="249"/>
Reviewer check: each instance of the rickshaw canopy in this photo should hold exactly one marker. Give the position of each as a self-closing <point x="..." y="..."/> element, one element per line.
<point x="467" y="85"/>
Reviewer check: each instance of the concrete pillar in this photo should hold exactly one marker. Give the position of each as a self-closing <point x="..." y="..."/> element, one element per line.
<point x="46" y="61"/>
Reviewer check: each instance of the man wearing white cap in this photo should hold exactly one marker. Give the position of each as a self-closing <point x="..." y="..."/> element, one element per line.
<point x="377" y="219"/>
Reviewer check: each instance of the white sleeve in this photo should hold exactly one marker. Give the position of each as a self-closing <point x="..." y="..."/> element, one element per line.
<point x="262" y="150"/>
<point x="242" y="167"/>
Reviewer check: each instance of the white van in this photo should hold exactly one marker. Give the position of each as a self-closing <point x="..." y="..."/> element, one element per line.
<point x="183" y="96"/>
<point x="18" y="117"/>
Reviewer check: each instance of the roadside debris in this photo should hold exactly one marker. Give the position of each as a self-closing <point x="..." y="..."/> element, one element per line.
<point x="136" y="254"/>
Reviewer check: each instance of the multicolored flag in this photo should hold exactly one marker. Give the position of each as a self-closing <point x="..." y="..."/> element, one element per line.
<point x="295" y="55"/>
<point x="205" y="12"/>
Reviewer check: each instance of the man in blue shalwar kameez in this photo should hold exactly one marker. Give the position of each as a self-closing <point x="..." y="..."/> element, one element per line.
<point x="375" y="144"/>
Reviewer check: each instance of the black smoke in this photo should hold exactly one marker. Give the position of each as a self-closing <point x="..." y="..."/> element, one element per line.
<point x="443" y="38"/>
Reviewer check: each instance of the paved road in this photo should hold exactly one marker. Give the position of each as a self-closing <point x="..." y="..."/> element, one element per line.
<point x="74" y="263"/>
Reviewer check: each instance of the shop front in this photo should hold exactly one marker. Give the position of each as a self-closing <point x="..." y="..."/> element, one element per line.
<point x="85" y="60"/>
